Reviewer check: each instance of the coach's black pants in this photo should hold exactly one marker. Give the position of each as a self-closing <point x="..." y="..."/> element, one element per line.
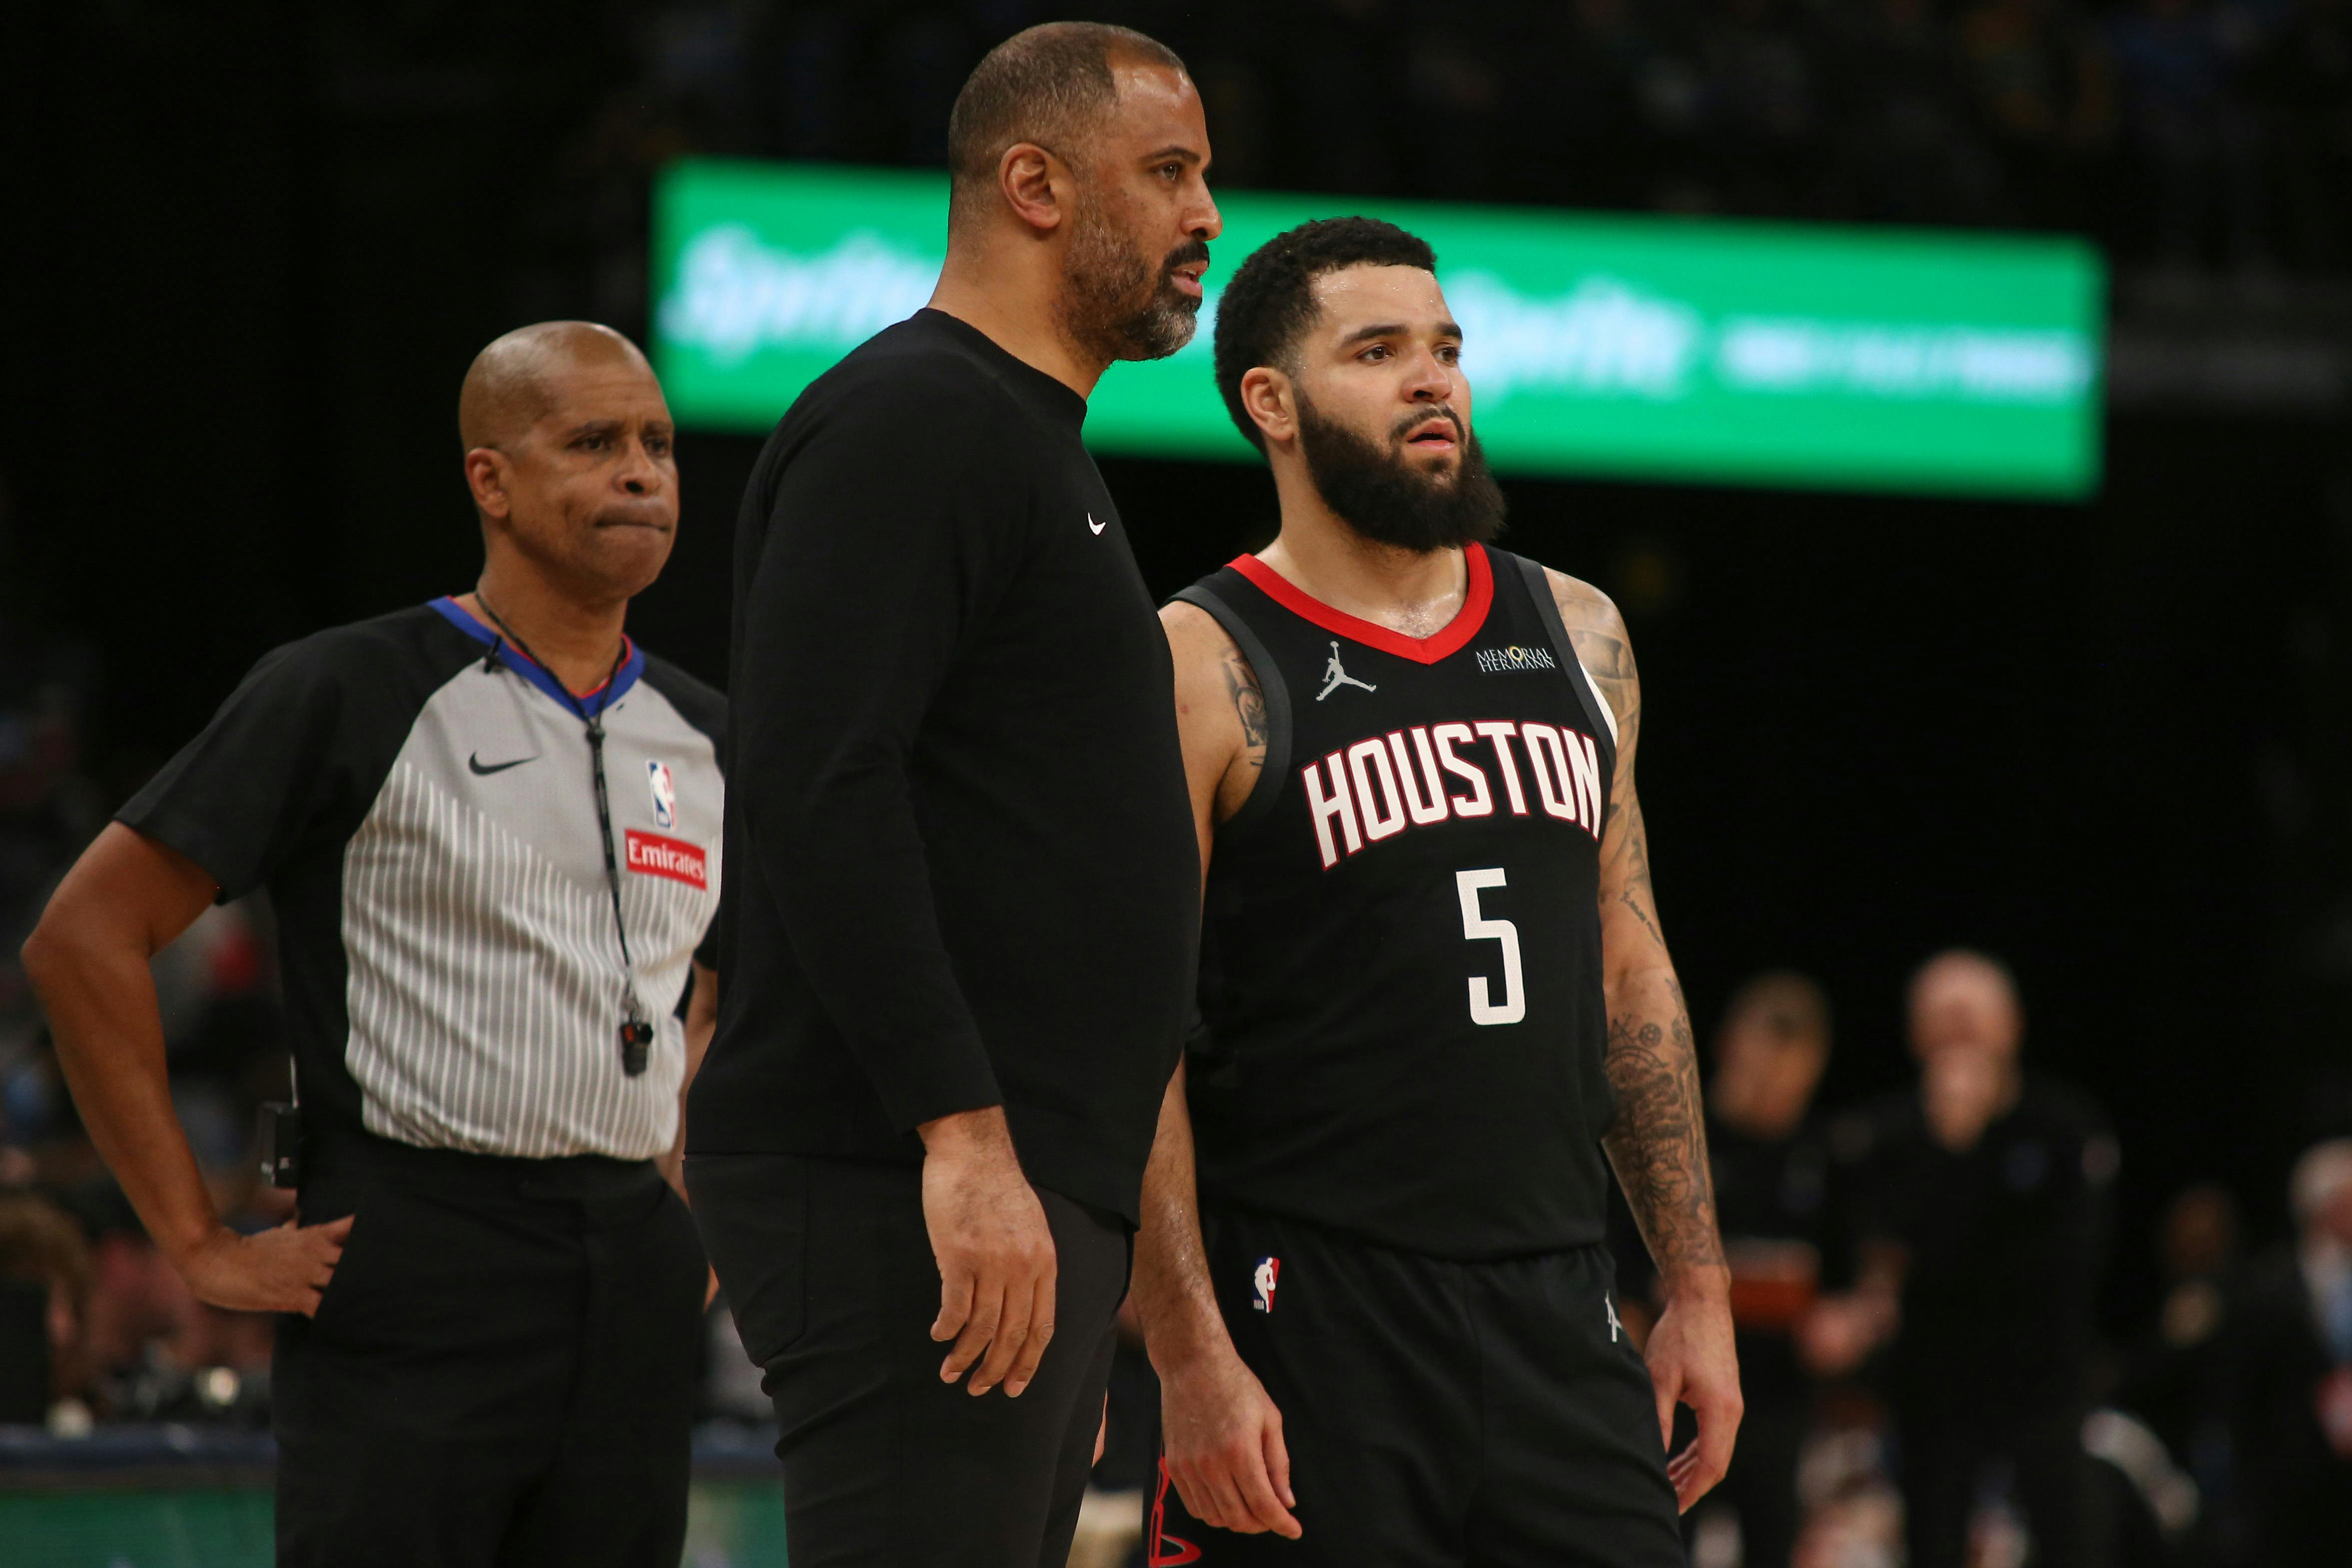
<point x="1949" y="1449"/>
<point x="1761" y="1485"/>
<point x="502" y="1371"/>
<point x="1437" y="1414"/>
<point x="829" y="1270"/>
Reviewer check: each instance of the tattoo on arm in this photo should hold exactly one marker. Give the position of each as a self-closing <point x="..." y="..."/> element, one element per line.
<point x="1626" y="865"/>
<point x="1656" y="1138"/>
<point x="1249" y="705"/>
<point x="1598" y="632"/>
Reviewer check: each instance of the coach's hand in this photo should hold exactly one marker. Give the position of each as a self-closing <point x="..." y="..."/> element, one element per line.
<point x="280" y="1270"/>
<point x="1224" y="1448"/>
<point x="994" y="1252"/>
<point x="1691" y="1363"/>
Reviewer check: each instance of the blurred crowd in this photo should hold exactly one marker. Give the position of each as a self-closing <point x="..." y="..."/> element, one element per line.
<point x="94" y="1324"/>
<point x="1914" y="1283"/>
<point x="2182" y="134"/>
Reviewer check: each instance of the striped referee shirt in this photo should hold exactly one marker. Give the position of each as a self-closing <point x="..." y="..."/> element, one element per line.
<point x="425" y="818"/>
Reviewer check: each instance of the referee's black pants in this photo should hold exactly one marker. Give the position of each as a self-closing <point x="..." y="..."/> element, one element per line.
<point x="502" y="1371"/>
<point x="828" y="1269"/>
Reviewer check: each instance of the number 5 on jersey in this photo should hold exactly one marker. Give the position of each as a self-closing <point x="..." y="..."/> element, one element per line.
<point x="1478" y="927"/>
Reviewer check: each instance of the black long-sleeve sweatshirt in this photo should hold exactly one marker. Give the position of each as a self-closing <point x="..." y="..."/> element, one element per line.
<point x="961" y="866"/>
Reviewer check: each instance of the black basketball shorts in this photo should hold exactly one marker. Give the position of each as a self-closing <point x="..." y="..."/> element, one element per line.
<point x="1438" y="1415"/>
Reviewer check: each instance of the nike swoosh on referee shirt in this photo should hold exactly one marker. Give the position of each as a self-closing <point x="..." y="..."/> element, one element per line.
<point x="1098" y="527"/>
<point x="485" y="770"/>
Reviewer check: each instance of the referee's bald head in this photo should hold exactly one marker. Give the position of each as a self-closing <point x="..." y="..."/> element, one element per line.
<point x="571" y="456"/>
<point x="519" y="378"/>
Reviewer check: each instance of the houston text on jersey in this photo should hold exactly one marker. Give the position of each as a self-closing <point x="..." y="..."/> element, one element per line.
<point x="1420" y="778"/>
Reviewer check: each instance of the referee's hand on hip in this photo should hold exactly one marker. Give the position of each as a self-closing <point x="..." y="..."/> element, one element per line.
<point x="281" y="1270"/>
<point x="125" y="900"/>
<point x="994" y="1252"/>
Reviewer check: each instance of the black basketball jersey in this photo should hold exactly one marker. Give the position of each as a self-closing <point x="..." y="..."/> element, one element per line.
<point x="1400" y="1000"/>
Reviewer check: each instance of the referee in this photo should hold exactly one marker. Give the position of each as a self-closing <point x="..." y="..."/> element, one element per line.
<point x="489" y="828"/>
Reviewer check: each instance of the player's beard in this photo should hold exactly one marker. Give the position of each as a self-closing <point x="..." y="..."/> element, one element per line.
<point x="1380" y="494"/>
<point x="1116" y="302"/>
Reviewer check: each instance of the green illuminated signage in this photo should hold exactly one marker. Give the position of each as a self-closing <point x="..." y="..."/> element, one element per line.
<point x="1640" y="347"/>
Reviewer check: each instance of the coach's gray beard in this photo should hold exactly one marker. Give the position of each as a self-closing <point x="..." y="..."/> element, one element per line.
<point x="1116" y="303"/>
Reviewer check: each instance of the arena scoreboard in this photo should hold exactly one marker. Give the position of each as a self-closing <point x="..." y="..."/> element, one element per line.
<point x="1629" y="346"/>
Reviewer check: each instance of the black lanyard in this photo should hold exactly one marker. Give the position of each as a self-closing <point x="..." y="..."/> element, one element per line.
<point x="636" y="1034"/>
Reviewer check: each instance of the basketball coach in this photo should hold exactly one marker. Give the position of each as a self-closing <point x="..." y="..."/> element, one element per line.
<point x="958" y="945"/>
<point x="488" y="828"/>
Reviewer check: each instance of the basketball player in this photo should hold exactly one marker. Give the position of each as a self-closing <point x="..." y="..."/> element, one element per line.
<point x="968" y="912"/>
<point x="1434" y="990"/>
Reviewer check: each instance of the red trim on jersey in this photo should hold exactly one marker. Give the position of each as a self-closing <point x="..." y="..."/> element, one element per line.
<point x="1468" y="621"/>
<point x="627" y="647"/>
<point x="1163" y="1550"/>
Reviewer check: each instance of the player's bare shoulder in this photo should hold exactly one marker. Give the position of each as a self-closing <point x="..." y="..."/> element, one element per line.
<point x="1603" y="646"/>
<point x="1219" y="707"/>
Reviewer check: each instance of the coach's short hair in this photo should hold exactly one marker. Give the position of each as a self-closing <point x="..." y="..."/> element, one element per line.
<point x="1051" y="84"/>
<point x="1271" y="299"/>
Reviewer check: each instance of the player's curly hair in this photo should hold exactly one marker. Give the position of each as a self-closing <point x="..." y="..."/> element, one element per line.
<point x="1271" y="298"/>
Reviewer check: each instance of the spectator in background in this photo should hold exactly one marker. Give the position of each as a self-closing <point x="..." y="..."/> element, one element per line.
<point x="2293" y="1361"/>
<point x="44" y="1296"/>
<point x="1772" y="1199"/>
<point x="153" y="1351"/>
<point x="2177" y="1379"/>
<point x="1985" y="1200"/>
<point x="48" y="810"/>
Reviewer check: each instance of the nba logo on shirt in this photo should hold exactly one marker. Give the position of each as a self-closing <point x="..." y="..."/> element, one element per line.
<point x="664" y="795"/>
<point x="1262" y="1281"/>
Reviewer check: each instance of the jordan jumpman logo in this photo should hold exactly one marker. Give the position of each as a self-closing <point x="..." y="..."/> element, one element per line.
<point x="1335" y="676"/>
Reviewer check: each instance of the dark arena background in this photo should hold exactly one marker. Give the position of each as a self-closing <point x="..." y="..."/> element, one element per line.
<point x="251" y="249"/>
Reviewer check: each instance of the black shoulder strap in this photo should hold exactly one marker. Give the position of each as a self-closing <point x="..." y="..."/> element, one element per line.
<point x="1268" y="788"/>
<point x="700" y="706"/>
<point x="1604" y="730"/>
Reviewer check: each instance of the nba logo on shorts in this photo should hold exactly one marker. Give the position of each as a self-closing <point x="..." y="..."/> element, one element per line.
<point x="664" y="795"/>
<point x="1261" y="1282"/>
